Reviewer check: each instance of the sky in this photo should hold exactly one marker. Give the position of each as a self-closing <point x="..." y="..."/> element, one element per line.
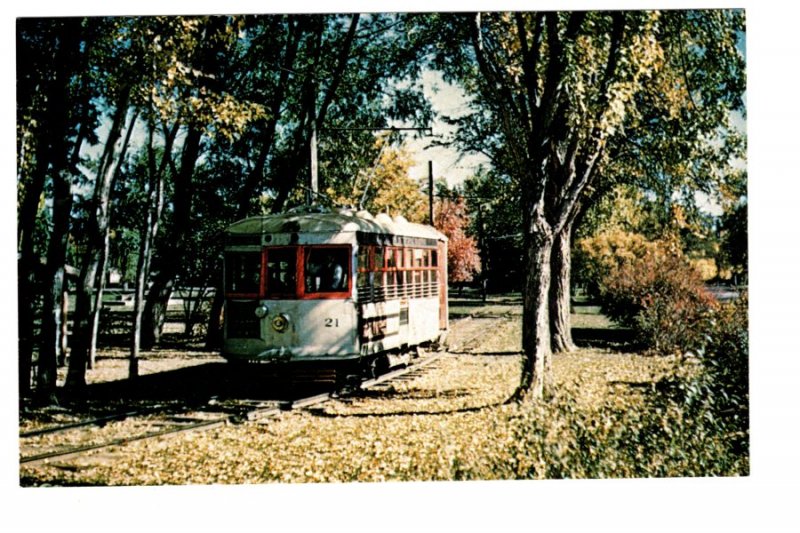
<point x="448" y="100"/>
<point x="762" y="501"/>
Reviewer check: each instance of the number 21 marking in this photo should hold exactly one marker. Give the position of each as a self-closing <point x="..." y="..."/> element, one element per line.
<point x="331" y="322"/>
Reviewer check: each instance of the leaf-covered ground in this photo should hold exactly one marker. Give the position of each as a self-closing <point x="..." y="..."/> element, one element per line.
<point x="449" y="423"/>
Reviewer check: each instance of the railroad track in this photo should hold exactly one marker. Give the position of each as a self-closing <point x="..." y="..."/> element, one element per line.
<point x="159" y="421"/>
<point x="119" y="429"/>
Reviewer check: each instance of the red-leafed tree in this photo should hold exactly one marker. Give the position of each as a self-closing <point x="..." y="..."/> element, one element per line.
<point x="452" y="219"/>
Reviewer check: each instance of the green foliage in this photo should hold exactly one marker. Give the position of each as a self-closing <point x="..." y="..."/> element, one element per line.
<point x="493" y="200"/>
<point x="664" y="436"/>
<point x="597" y="256"/>
<point x="692" y="421"/>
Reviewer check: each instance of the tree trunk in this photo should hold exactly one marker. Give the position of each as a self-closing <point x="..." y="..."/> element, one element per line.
<point x="535" y="382"/>
<point x="155" y="309"/>
<point x="561" y="266"/>
<point x="148" y="234"/>
<point x="57" y="151"/>
<point x="138" y="302"/>
<point x="62" y="353"/>
<point x="27" y="267"/>
<point x="53" y="297"/>
<point x="88" y="286"/>
<point x="97" y="303"/>
<point x="102" y="267"/>
<point x="25" y="315"/>
<point x="214" y="329"/>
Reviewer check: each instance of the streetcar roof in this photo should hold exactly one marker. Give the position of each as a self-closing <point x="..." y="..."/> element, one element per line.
<point x="341" y="221"/>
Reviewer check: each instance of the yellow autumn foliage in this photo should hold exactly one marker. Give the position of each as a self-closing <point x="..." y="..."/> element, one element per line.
<point x="386" y="187"/>
<point x="706" y="266"/>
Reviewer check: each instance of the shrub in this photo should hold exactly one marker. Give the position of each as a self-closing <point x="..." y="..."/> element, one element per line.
<point x="661" y="297"/>
<point x="657" y="437"/>
<point x="692" y="422"/>
<point x="721" y="387"/>
<point x="649" y="286"/>
<point x="707" y="267"/>
<point x="596" y="257"/>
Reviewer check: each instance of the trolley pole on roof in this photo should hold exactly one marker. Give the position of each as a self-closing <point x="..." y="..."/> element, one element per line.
<point x="430" y="192"/>
<point x="314" y="178"/>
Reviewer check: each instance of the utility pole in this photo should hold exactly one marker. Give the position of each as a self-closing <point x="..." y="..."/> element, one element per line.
<point x="430" y="192"/>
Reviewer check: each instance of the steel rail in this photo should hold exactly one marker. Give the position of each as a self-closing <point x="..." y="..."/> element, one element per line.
<point x="92" y="422"/>
<point x="252" y="415"/>
<point x="204" y="425"/>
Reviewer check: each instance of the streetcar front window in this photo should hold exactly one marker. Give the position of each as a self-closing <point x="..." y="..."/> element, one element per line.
<point x="243" y="272"/>
<point x="281" y="272"/>
<point x="326" y="269"/>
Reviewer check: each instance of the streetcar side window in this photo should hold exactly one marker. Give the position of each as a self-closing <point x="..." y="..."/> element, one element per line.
<point x="243" y="272"/>
<point x="281" y="271"/>
<point x="364" y="274"/>
<point x="419" y="254"/>
<point x="379" y="258"/>
<point x="326" y="269"/>
<point x="391" y="258"/>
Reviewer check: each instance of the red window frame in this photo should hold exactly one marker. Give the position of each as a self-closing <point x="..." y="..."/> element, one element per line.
<point x="246" y="295"/>
<point x="301" y="273"/>
<point x="402" y="269"/>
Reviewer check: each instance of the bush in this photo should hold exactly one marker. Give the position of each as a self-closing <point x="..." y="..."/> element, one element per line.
<point x="662" y="298"/>
<point x="595" y="257"/>
<point x="721" y="388"/>
<point x="651" y="287"/>
<point x="660" y="437"/>
<point x="692" y="422"/>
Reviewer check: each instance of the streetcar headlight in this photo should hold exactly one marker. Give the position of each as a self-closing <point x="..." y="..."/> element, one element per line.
<point x="280" y="323"/>
<point x="262" y="311"/>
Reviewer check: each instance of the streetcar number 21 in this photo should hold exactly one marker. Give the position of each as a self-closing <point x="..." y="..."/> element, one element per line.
<point x="331" y="322"/>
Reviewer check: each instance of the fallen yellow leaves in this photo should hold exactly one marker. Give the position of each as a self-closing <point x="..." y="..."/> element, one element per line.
<point x="448" y="423"/>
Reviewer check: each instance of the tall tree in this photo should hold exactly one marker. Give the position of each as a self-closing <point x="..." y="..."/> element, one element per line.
<point x="385" y="187"/>
<point x="148" y="231"/>
<point x="680" y="136"/>
<point x="558" y="127"/>
<point x="89" y="287"/>
<point x="118" y="61"/>
<point x="54" y="118"/>
<point x="494" y="196"/>
<point x="558" y="86"/>
<point x="192" y="92"/>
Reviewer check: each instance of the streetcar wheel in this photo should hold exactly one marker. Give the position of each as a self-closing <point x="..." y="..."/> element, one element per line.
<point x="379" y="365"/>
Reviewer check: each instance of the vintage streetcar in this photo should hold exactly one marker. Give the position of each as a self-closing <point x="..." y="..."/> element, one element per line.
<point x="341" y="289"/>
